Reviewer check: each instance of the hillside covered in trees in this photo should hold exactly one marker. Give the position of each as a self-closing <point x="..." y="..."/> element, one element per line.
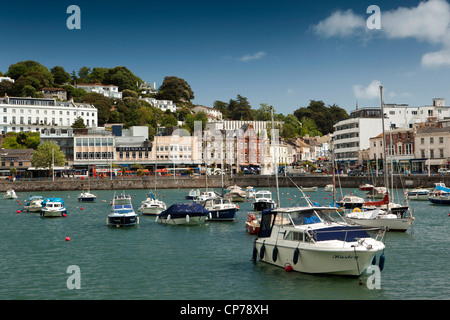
<point x="31" y="76"/>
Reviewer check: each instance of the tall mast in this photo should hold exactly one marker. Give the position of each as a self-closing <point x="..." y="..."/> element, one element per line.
<point x="386" y="180"/>
<point x="276" y="158"/>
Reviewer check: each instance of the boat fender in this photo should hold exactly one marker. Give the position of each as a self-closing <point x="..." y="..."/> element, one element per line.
<point x="374" y="260"/>
<point x="187" y="218"/>
<point x="275" y="254"/>
<point x="168" y="218"/>
<point x="157" y="218"/>
<point x="261" y="251"/>
<point x="381" y="263"/>
<point x="210" y="215"/>
<point x="255" y="254"/>
<point x="357" y="210"/>
<point x="296" y="253"/>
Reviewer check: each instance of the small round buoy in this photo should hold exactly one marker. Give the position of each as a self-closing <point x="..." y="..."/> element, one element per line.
<point x="248" y="200"/>
<point x="20" y="204"/>
<point x="326" y="198"/>
<point x="64" y="215"/>
<point x="67" y="238"/>
<point x="164" y="196"/>
<point x="18" y="211"/>
<point x="290" y="198"/>
<point x="81" y="208"/>
<point x="288" y="267"/>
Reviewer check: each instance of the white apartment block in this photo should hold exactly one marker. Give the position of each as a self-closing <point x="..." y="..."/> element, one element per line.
<point x="6" y="79"/>
<point x="353" y="134"/>
<point x="211" y="113"/>
<point x="20" y="114"/>
<point x="108" y="90"/>
<point x="164" y="105"/>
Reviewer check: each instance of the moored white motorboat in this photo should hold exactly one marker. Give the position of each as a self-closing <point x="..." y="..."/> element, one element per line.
<point x="34" y="204"/>
<point x="53" y="208"/>
<point x="329" y="188"/>
<point x="183" y="214"/>
<point x="263" y="200"/>
<point x="235" y="194"/>
<point x="193" y="194"/>
<point x="206" y="195"/>
<point x="440" y="195"/>
<point x="350" y="202"/>
<point x="10" y="194"/>
<point x="221" y="209"/>
<point x="309" y="189"/>
<point x="122" y="213"/>
<point x="377" y="193"/>
<point x="87" y="196"/>
<point x="418" y="194"/>
<point x="315" y="240"/>
<point x="152" y="206"/>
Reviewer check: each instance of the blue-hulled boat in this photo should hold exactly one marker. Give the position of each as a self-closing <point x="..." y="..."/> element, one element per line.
<point x="440" y="195"/>
<point x="183" y="213"/>
<point x="221" y="209"/>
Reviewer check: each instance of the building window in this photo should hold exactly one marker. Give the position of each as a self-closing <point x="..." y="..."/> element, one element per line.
<point x="441" y="153"/>
<point x="441" y="140"/>
<point x="431" y="140"/>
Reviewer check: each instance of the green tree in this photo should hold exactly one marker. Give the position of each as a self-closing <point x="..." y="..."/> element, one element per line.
<point x="47" y="155"/>
<point x="175" y="89"/>
<point x="21" y="68"/>
<point x="98" y="75"/>
<point x="83" y="74"/>
<point x="60" y="75"/>
<point x="79" y="123"/>
<point x="6" y="87"/>
<point x="192" y="118"/>
<point x="123" y="78"/>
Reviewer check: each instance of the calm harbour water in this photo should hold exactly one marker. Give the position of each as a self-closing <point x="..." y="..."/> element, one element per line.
<point x="207" y="262"/>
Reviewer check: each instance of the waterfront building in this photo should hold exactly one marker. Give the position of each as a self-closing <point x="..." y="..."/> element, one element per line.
<point x="56" y="93"/>
<point x="177" y="150"/>
<point x="132" y="147"/>
<point x="400" y="144"/>
<point x="63" y="137"/>
<point x="432" y="148"/>
<point x="93" y="147"/>
<point x="20" y="114"/>
<point x="108" y="90"/>
<point x="353" y="134"/>
<point x="147" y="88"/>
<point x="233" y="125"/>
<point x="164" y="105"/>
<point x="20" y="159"/>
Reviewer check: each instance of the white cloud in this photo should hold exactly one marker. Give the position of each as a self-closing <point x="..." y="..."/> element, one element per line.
<point x="251" y="57"/>
<point x="429" y="21"/>
<point x="340" y="23"/>
<point x="436" y="59"/>
<point x="372" y="91"/>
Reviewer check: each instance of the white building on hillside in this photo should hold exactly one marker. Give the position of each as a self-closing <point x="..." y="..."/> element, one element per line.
<point x="20" y="114"/>
<point x="108" y="90"/>
<point x="164" y="105"/>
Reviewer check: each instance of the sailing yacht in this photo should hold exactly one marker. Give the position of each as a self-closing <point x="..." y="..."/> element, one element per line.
<point x="391" y="216"/>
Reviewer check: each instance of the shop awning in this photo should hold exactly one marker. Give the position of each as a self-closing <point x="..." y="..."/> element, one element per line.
<point x="436" y="162"/>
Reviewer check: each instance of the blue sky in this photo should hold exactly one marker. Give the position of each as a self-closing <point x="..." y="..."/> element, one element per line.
<point x="284" y="53"/>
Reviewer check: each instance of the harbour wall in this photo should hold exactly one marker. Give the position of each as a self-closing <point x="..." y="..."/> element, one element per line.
<point x="60" y="184"/>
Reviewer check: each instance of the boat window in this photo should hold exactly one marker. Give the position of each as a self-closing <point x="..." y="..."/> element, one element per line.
<point x="304" y="217"/>
<point x="330" y="215"/>
<point x="295" y="236"/>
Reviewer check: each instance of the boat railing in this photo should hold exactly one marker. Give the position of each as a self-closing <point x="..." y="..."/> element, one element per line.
<point x="345" y="233"/>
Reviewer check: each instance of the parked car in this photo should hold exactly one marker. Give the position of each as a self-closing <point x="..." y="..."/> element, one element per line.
<point x="355" y="173"/>
<point x="444" y="170"/>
